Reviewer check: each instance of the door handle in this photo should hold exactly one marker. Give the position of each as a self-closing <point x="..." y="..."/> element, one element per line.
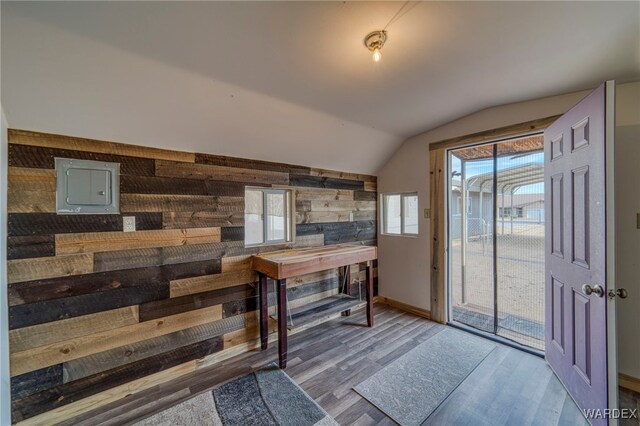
<point x="621" y="293"/>
<point x="596" y="289"/>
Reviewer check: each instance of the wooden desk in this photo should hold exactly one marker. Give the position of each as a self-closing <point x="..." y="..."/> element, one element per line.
<point x="280" y="265"/>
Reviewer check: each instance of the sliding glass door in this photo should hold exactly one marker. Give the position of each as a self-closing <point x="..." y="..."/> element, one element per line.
<point x="496" y="239"/>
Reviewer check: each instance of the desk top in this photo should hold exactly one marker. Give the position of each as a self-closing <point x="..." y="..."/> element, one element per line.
<point x="290" y="263"/>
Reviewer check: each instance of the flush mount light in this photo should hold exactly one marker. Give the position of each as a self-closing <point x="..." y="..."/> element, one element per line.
<point x="374" y="42"/>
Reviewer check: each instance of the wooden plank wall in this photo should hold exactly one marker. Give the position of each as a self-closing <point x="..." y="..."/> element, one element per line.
<point x="97" y="314"/>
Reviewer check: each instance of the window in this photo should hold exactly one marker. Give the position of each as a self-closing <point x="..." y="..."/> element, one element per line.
<point x="400" y="214"/>
<point x="267" y="216"/>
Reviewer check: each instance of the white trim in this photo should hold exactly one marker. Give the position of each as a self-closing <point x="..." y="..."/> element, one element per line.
<point x="289" y="236"/>
<point x="5" y="386"/>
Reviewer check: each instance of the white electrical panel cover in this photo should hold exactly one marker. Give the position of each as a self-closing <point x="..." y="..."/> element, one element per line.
<point x="87" y="187"/>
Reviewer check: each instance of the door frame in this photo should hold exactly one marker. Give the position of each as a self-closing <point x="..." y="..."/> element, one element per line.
<point x="438" y="205"/>
<point x="448" y="318"/>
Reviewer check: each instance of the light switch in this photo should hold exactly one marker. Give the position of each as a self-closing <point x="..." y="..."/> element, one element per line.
<point x="128" y="223"/>
<point x="427" y="213"/>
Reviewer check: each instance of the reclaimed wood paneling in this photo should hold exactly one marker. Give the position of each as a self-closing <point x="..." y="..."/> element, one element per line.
<point x="180" y="203"/>
<point x="69" y="392"/>
<point x="28" y="246"/>
<point x="176" y="305"/>
<point x="182" y="220"/>
<point x="325" y="182"/>
<point x="36" y="381"/>
<point x="66" y="350"/>
<point x="220" y="173"/>
<point x="43" y="158"/>
<point x="26" y="137"/>
<point x="97" y="314"/>
<point x="107" y="360"/>
<point x="221" y="160"/>
<point x="70" y="307"/>
<point x="114" y="241"/>
<point x="26" y="179"/>
<point x="51" y="223"/>
<point x="211" y="282"/>
<point x="343" y="175"/>
<point x="48" y="267"/>
<point x="56" y="331"/>
<point x="56" y="288"/>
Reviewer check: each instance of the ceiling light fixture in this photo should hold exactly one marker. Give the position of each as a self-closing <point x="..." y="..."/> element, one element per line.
<point x="374" y="42"/>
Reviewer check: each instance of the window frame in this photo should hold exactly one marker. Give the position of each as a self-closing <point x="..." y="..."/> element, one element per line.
<point x="383" y="214"/>
<point x="289" y="229"/>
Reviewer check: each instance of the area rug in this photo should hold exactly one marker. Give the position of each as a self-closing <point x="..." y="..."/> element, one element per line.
<point x="267" y="397"/>
<point x="410" y="388"/>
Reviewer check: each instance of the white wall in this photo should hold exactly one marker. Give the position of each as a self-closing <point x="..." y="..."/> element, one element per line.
<point x="5" y="399"/>
<point x="627" y="159"/>
<point x="403" y="265"/>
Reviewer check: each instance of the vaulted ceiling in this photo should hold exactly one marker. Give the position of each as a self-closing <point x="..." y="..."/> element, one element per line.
<point x="292" y="81"/>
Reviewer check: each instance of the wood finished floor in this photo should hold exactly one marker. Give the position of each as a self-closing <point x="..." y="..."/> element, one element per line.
<point x="509" y="387"/>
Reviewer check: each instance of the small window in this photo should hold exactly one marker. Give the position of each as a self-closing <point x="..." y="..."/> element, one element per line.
<point x="400" y="214"/>
<point x="267" y="216"/>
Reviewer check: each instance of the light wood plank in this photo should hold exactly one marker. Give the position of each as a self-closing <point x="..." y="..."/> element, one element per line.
<point x="27" y="179"/>
<point x="222" y="173"/>
<point x="34" y="336"/>
<point x="236" y="263"/>
<point x="27" y="201"/>
<point x="629" y="382"/>
<point x="204" y="283"/>
<point x="438" y="234"/>
<point x="324" y="217"/>
<point x="340" y="206"/>
<point x="95" y="242"/>
<point x="24" y="137"/>
<point x="180" y="203"/>
<point x="343" y="175"/>
<point x="48" y="267"/>
<point x="59" y="352"/>
<point x="371" y="186"/>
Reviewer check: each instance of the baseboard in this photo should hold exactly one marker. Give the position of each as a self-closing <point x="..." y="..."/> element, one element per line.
<point x="629" y="382"/>
<point x="403" y="307"/>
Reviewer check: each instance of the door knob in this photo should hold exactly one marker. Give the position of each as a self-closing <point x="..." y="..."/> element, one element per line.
<point x="621" y="293"/>
<point x="596" y="289"/>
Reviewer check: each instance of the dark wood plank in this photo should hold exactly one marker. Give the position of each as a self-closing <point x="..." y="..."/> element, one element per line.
<point x="61" y="395"/>
<point x="176" y="305"/>
<point x="43" y="158"/>
<point x="76" y="285"/>
<point x="179" y="186"/>
<point x="340" y="232"/>
<point x="232" y="233"/>
<point x="29" y="246"/>
<point x="116" y="357"/>
<point x="68" y="307"/>
<point x="20" y="224"/>
<point x="365" y="196"/>
<point x="325" y="182"/>
<point x="137" y="258"/>
<point x="35" y="381"/>
<point x="221" y="160"/>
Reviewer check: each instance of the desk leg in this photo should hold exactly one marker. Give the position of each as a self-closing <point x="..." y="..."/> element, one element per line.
<point x="369" y="293"/>
<point x="264" y="311"/>
<point x="282" y="322"/>
<point x="346" y="277"/>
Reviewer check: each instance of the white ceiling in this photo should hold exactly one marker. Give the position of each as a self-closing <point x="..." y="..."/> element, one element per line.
<point x="292" y="81"/>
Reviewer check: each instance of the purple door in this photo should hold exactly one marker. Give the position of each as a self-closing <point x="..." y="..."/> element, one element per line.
<point x="575" y="259"/>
